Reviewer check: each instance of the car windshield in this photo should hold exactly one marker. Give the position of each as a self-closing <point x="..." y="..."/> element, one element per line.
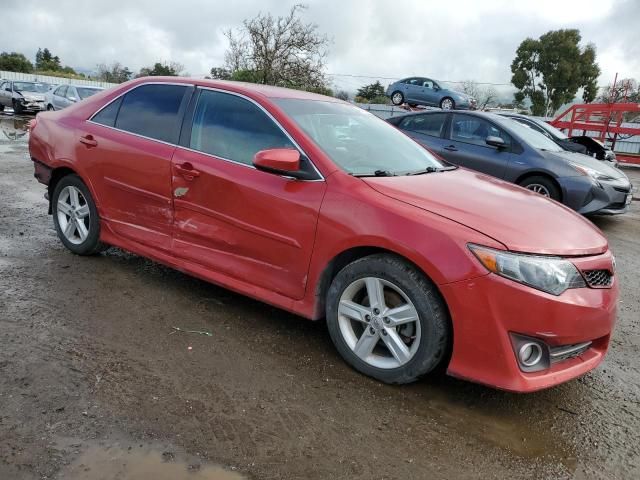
<point x="357" y="141"/>
<point x="85" y="92"/>
<point x="529" y="135"/>
<point x="552" y="130"/>
<point x="30" y="87"/>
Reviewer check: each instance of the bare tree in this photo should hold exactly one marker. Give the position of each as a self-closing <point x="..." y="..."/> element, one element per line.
<point x="626" y="90"/>
<point x="114" y="73"/>
<point x="279" y="51"/>
<point x="485" y="96"/>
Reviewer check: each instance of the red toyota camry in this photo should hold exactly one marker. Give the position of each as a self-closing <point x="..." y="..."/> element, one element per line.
<point x="317" y="207"/>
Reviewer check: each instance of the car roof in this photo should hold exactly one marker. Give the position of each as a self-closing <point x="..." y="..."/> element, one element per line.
<point x="268" y="91"/>
<point x="488" y="115"/>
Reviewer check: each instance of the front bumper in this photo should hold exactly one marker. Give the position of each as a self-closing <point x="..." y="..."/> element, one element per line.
<point x="589" y="197"/>
<point x="33" y="105"/>
<point x="486" y="310"/>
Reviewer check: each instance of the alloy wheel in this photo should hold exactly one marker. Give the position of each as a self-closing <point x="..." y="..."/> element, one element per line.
<point x="379" y="323"/>
<point x="397" y="98"/>
<point x="73" y="215"/>
<point x="538" y="188"/>
<point x="446" y="104"/>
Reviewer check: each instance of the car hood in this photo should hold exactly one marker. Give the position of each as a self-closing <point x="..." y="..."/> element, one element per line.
<point x="587" y="161"/>
<point x="521" y="220"/>
<point x="38" y="97"/>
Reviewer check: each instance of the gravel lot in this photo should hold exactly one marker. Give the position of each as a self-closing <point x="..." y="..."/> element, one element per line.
<point x="93" y="382"/>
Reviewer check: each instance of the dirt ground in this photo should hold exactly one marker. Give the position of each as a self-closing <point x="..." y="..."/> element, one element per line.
<point x="90" y="371"/>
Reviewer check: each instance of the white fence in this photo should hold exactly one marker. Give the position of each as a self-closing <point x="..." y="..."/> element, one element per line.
<point x="30" y="77"/>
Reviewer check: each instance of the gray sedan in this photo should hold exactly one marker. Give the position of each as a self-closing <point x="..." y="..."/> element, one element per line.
<point x="64" y="95"/>
<point x="424" y="91"/>
<point x="506" y="149"/>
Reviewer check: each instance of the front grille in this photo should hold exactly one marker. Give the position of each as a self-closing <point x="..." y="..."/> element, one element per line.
<point x="598" y="278"/>
<point x="565" y="352"/>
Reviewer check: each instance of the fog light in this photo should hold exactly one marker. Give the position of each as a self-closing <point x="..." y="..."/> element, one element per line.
<point x="530" y="354"/>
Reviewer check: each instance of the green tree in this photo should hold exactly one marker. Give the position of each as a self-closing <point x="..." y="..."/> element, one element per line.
<point x="371" y="91"/>
<point x="15" y="62"/>
<point x="171" y="69"/>
<point x="45" y="60"/>
<point x="114" y="73"/>
<point x="220" y="73"/>
<point x="549" y="71"/>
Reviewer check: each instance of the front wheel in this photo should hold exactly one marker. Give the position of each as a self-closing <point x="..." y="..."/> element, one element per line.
<point x="75" y="216"/>
<point x="387" y="320"/>
<point x="50" y="108"/>
<point x="397" y="98"/>
<point x="542" y="185"/>
<point x="17" y="108"/>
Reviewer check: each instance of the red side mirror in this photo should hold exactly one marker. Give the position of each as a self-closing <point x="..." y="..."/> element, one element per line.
<point x="277" y="160"/>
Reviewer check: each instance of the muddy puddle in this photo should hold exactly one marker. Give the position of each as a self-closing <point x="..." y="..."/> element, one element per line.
<point x="99" y="462"/>
<point x="14" y="128"/>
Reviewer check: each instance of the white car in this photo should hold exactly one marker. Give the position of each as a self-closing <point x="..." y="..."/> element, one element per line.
<point x="64" y="95"/>
<point x="22" y="96"/>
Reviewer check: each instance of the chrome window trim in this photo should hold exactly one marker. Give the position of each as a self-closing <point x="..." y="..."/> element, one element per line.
<point x="187" y="85"/>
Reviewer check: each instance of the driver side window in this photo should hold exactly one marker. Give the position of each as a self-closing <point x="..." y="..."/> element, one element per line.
<point x="475" y="130"/>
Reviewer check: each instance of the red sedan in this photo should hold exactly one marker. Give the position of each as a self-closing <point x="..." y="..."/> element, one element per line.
<point x="317" y="207"/>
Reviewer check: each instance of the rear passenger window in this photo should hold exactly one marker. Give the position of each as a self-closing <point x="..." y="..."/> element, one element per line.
<point x="107" y="116"/>
<point x="233" y="128"/>
<point x="430" y="124"/>
<point x="61" y="91"/>
<point x="471" y="129"/>
<point x="152" y="111"/>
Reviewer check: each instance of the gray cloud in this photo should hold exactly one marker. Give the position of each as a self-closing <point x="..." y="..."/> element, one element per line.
<point x="451" y="40"/>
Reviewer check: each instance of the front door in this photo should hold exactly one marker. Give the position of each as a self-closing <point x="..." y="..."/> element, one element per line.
<point x="255" y="226"/>
<point x="467" y="145"/>
<point x="129" y="145"/>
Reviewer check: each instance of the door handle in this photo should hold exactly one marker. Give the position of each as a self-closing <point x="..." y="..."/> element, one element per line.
<point x="89" y="141"/>
<point x="451" y="148"/>
<point x="187" y="171"/>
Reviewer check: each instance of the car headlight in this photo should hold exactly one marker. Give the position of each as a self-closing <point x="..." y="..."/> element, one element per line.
<point x="550" y="274"/>
<point x="596" y="175"/>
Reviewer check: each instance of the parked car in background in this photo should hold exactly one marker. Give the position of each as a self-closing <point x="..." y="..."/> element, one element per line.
<point x="424" y="91"/>
<point x="596" y="148"/>
<point x="22" y="96"/>
<point x="580" y="143"/>
<point x="64" y="95"/>
<point x="315" y="206"/>
<point x="507" y="149"/>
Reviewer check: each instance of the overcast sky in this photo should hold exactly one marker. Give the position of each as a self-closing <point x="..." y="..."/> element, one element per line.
<point x="443" y="39"/>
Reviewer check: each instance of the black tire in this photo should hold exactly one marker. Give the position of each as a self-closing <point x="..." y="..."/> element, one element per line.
<point x="17" y="108"/>
<point x="91" y="244"/>
<point x="50" y="108"/>
<point x="453" y="103"/>
<point x="530" y="183"/>
<point x="435" y="338"/>
<point x="397" y="97"/>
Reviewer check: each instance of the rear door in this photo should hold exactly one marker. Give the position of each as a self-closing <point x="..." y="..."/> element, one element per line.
<point x="255" y="226"/>
<point x="466" y="145"/>
<point x="413" y="89"/>
<point x="427" y="129"/>
<point x="5" y="96"/>
<point x="127" y="146"/>
<point x="59" y="100"/>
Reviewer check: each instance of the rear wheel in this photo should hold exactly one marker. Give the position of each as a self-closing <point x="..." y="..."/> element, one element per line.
<point x="542" y="185"/>
<point x="387" y="320"/>
<point x="447" y="104"/>
<point x="397" y="98"/>
<point x="75" y="217"/>
<point x="50" y="108"/>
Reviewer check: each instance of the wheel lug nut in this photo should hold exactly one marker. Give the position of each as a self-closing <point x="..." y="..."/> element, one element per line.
<point x="367" y="317"/>
<point x="384" y="332"/>
<point x="372" y="330"/>
<point x="386" y="320"/>
<point x="376" y="311"/>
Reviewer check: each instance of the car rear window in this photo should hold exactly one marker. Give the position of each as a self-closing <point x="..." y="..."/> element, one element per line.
<point x="152" y="111"/>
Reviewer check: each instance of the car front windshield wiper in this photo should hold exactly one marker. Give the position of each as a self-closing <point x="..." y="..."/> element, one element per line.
<point x="376" y="173"/>
<point x="433" y="170"/>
